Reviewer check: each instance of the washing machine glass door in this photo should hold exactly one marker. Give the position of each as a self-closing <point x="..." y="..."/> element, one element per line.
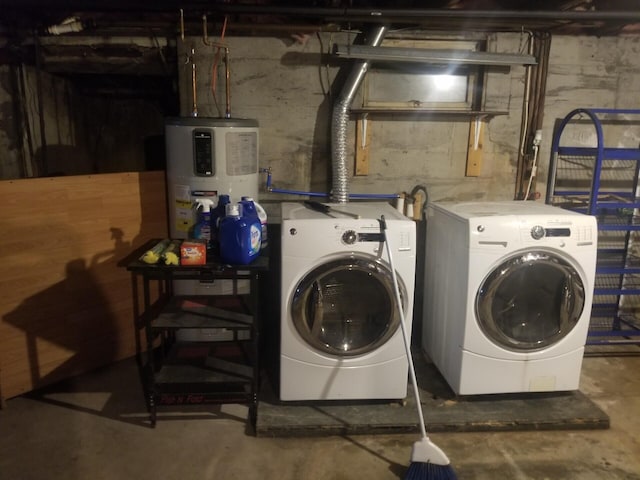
<point x="530" y="301"/>
<point x="347" y="306"/>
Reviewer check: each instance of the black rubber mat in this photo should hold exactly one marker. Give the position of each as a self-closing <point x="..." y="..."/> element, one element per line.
<point x="443" y="412"/>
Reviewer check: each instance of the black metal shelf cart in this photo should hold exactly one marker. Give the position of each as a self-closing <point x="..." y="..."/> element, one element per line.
<point x="178" y="372"/>
<point x="594" y="166"/>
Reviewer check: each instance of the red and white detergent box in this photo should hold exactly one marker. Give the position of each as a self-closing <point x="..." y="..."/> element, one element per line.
<point x="193" y="252"/>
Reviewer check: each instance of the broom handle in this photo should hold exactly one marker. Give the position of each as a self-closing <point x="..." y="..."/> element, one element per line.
<point x="405" y="335"/>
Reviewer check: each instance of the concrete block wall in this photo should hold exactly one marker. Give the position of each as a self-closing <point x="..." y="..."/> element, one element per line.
<point x="284" y="85"/>
<point x="289" y="88"/>
<point x="591" y="72"/>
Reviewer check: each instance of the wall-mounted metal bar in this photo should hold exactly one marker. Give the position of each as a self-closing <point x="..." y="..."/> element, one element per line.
<point x="437" y="56"/>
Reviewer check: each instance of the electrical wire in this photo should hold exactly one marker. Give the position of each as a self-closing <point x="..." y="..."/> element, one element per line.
<point x="534" y="163"/>
<point x="526" y="100"/>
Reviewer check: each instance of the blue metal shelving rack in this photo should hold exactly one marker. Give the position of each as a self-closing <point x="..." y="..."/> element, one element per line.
<point x="588" y="175"/>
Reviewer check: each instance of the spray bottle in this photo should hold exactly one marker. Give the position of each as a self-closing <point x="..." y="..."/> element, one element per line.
<point x="202" y="229"/>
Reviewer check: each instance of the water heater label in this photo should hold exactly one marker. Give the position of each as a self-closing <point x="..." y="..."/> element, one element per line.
<point x="242" y="153"/>
<point x="182" y="208"/>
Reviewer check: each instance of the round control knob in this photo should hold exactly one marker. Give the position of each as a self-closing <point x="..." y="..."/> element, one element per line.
<point x="537" y="232"/>
<point x="349" y="237"/>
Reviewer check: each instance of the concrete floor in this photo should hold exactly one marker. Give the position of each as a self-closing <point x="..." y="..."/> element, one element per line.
<point x="95" y="427"/>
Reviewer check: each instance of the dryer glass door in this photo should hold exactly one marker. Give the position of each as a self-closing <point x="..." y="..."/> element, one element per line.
<point x="346" y="307"/>
<point x="530" y="301"/>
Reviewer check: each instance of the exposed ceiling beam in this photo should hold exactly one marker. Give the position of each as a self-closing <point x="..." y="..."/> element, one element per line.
<point x="166" y="14"/>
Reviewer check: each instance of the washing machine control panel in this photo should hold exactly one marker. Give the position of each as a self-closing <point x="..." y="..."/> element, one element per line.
<point x="537" y="232"/>
<point x="349" y="237"/>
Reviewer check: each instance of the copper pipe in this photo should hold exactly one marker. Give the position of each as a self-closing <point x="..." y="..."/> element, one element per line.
<point x="182" y="24"/>
<point x="227" y="73"/>
<point x="194" y="108"/>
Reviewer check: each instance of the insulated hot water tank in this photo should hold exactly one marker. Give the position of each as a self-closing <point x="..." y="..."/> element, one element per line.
<point x="207" y="157"/>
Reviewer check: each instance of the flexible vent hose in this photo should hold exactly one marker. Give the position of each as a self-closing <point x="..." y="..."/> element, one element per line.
<point x="339" y="121"/>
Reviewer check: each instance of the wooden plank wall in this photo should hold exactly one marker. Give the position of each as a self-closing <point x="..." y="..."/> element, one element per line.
<point x="66" y="305"/>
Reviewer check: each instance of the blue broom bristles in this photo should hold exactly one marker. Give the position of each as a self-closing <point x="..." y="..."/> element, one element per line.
<point x="430" y="471"/>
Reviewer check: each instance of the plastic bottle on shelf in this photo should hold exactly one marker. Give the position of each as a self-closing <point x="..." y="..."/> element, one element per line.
<point x="239" y="236"/>
<point x="220" y="211"/>
<point x="217" y="214"/>
<point x="262" y="216"/>
<point x="202" y="229"/>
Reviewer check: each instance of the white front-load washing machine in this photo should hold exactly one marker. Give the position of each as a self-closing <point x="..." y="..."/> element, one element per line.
<point x="508" y="293"/>
<point x="340" y="326"/>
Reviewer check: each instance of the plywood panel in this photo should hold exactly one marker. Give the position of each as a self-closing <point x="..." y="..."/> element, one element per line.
<point x="66" y="306"/>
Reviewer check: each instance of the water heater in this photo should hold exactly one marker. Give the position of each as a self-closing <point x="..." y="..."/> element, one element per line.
<point x="208" y="157"/>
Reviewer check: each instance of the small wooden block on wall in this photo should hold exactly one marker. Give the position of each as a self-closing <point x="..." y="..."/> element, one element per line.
<point x="363" y="140"/>
<point x="474" y="151"/>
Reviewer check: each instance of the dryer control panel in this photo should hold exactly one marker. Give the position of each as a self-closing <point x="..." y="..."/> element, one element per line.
<point x="538" y="232"/>
<point x="503" y="232"/>
<point x="557" y="232"/>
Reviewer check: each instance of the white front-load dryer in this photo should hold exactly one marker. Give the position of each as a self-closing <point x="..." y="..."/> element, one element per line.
<point x="340" y="326"/>
<point x="508" y="293"/>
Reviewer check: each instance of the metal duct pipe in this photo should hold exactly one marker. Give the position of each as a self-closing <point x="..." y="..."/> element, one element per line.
<point x="339" y="121"/>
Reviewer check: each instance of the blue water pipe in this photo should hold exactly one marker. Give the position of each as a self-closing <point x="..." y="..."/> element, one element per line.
<point x="353" y="196"/>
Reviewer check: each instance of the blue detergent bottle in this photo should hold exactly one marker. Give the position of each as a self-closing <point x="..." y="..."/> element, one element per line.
<point x="217" y="214"/>
<point x="220" y="211"/>
<point x="262" y="216"/>
<point x="249" y="208"/>
<point x="239" y="236"/>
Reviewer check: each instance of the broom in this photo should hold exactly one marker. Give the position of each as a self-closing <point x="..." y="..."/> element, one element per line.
<point x="428" y="461"/>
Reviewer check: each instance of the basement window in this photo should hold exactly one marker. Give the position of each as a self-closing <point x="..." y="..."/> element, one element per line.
<point x="429" y="86"/>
